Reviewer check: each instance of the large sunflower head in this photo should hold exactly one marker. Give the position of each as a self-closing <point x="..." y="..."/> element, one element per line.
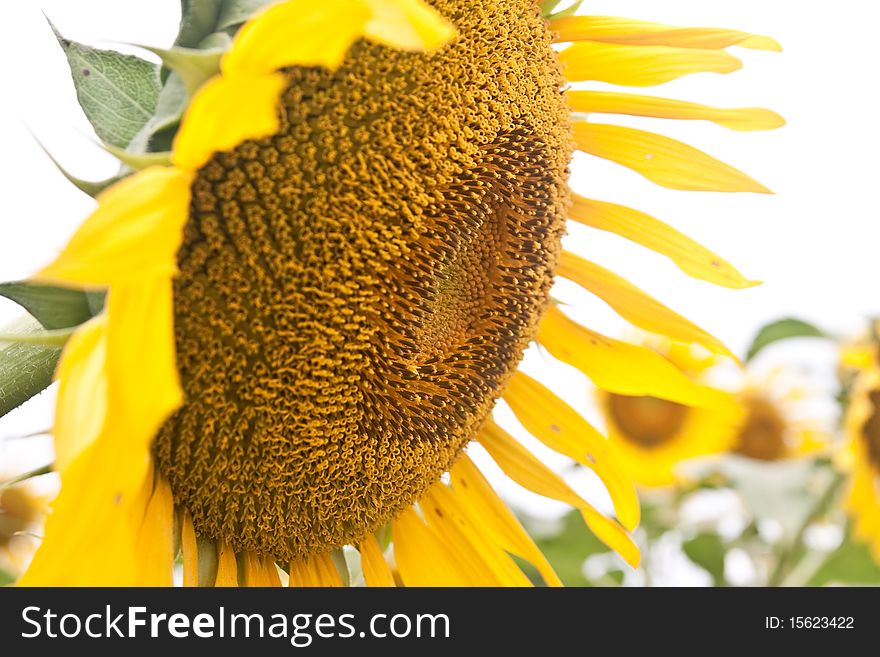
<point x="314" y="306"/>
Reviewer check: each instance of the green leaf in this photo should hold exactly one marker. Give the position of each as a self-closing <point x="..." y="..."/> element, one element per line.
<point x="198" y="19"/>
<point x="117" y="92"/>
<point x="92" y="188"/>
<point x="236" y="12"/>
<point x="851" y="563"/>
<point x="782" y="330"/>
<point x="25" y="370"/>
<point x="159" y="131"/>
<point x="53" y="307"/>
<point x="707" y="551"/>
<point x="6" y="578"/>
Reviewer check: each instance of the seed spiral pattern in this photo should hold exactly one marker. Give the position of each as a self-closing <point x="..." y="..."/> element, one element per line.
<point x="355" y="292"/>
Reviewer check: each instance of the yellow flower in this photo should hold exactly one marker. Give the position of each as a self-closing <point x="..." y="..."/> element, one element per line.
<point x="21" y="513"/>
<point x="653" y="436"/>
<point x="862" y="455"/>
<point x="315" y="309"/>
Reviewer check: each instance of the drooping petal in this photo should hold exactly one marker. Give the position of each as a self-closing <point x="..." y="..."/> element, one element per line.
<point x="217" y="120"/>
<point x="376" y="570"/>
<point x="743" y="119"/>
<point x="422" y="557"/>
<point x="155" y="542"/>
<point x="640" y="66"/>
<point x="612" y="29"/>
<point x="316" y="570"/>
<point x="619" y="367"/>
<point x="561" y="428"/>
<point x="133" y="234"/>
<point x="82" y="392"/>
<point x="634" y="305"/>
<point x="189" y="550"/>
<point x="485" y="509"/>
<point x="490" y="564"/>
<point x="519" y="464"/>
<point x="260" y="571"/>
<point x="662" y="160"/>
<point x="320" y="33"/>
<point x="227" y="566"/>
<point x="692" y="258"/>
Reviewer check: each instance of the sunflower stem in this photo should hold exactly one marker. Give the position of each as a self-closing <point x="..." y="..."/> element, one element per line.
<point x="786" y="562"/>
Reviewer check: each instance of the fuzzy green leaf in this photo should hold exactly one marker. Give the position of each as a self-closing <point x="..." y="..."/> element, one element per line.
<point x="783" y="329"/>
<point x="236" y="12"/>
<point x="117" y="92"/>
<point x="198" y="20"/>
<point x="158" y="133"/>
<point x="53" y="307"/>
<point x="25" y="370"/>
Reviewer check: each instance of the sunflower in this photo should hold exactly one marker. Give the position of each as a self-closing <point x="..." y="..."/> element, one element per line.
<point x="652" y="436"/>
<point x="862" y="455"/>
<point x="315" y="305"/>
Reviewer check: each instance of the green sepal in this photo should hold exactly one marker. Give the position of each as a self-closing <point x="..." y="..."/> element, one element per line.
<point x="195" y="67"/>
<point x="235" y="12"/>
<point x="138" y="161"/>
<point x="25" y="476"/>
<point x="198" y="20"/>
<point x="118" y="93"/>
<point x="548" y="9"/>
<point x="783" y="329"/>
<point x="54" y="307"/>
<point x="92" y="188"/>
<point x="56" y="338"/>
<point x="159" y="131"/>
<point x="25" y="370"/>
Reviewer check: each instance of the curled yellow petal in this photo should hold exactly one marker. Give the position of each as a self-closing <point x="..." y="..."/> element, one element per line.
<point x="155" y="541"/>
<point x="634" y="305"/>
<point x="613" y="29"/>
<point x="375" y="568"/>
<point x="561" y="428"/>
<point x="82" y="392"/>
<point x="489" y="563"/>
<point x="316" y="570"/>
<point x="217" y="120"/>
<point x="743" y="119"/>
<point x="519" y="464"/>
<point x="423" y="558"/>
<point x="320" y="33"/>
<point x="485" y="509"/>
<point x="692" y="258"/>
<point x="640" y="66"/>
<point x="260" y="571"/>
<point x="662" y="160"/>
<point x="133" y="234"/>
<point x="619" y="367"/>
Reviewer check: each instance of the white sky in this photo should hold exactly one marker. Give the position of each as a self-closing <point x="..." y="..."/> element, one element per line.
<point x="815" y="244"/>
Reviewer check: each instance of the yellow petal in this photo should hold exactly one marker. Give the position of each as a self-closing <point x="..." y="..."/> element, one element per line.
<point x="662" y="160"/>
<point x="190" y="551"/>
<point x="619" y="367"/>
<point x="143" y="385"/>
<point x="375" y="568"/>
<point x="490" y="564"/>
<point x="640" y="66"/>
<point x="485" y="509"/>
<point x="218" y="120"/>
<point x="612" y="29"/>
<point x="133" y="234"/>
<point x="692" y="258"/>
<point x="634" y="305"/>
<point x="82" y="392"/>
<point x="155" y="542"/>
<point x="259" y="571"/>
<point x="742" y="119"/>
<point x="316" y="570"/>
<point x="519" y="464"/>
<point x="91" y="535"/>
<point x="423" y="558"/>
<point x="561" y="428"/>
<point x="227" y="566"/>
<point x="407" y="25"/>
<point x="320" y="33"/>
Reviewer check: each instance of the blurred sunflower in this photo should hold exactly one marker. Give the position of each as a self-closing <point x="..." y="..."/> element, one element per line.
<point x="21" y="513"/>
<point x="652" y="436"/>
<point x="862" y="455"/>
<point x="313" y="309"/>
